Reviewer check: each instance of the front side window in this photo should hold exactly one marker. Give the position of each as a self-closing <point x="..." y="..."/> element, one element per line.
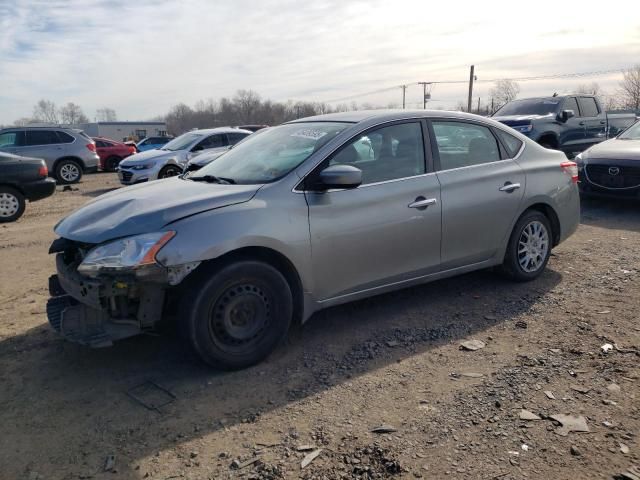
<point x="212" y="141"/>
<point x="42" y="137"/>
<point x="12" y="139"/>
<point x="273" y="153"/>
<point x="236" y="137"/>
<point x="462" y="144"/>
<point x="588" y="106"/>
<point x="386" y="153"/>
<point x="571" y="104"/>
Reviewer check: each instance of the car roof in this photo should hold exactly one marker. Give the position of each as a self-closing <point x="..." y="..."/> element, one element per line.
<point x="209" y="131"/>
<point x="386" y="115"/>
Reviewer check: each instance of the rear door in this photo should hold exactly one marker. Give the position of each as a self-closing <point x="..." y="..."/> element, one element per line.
<point x="481" y="191"/>
<point x="43" y="144"/>
<point x="595" y="121"/>
<point x="387" y="230"/>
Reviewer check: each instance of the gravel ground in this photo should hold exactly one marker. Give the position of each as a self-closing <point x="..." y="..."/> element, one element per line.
<point x="394" y="361"/>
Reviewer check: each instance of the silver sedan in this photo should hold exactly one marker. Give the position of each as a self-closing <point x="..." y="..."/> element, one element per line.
<point x="310" y="214"/>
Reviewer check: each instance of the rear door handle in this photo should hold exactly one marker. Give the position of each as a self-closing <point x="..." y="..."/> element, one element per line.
<point x="581" y="124"/>
<point x="421" y="203"/>
<point x="509" y="187"/>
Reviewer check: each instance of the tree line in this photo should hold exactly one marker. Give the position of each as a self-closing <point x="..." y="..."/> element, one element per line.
<point x="46" y="111"/>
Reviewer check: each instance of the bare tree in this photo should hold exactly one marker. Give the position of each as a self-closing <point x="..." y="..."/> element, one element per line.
<point x="504" y="91"/>
<point x="630" y="88"/>
<point x="247" y="102"/>
<point x="592" y="88"/>
<point x="45" y="111"/>
<point x="106" y="114"/>
<point x="72" y="114"/>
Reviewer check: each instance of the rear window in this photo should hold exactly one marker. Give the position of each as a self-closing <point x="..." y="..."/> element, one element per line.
<point x="511" y="143"/>
<point x="66" y="138"/>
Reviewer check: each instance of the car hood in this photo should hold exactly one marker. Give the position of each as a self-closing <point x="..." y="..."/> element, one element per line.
<point x="146" y="156"/>
<point x="615" y="149"/>
<point x="513" y="119"/>
<point x="148" y="207"/>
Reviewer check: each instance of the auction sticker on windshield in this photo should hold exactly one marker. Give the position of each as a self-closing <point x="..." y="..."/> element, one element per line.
<point x="309" y="133"/>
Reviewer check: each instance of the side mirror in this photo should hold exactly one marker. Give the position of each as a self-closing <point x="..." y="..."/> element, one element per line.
<point x="567" y="114"/>
<point x="340" y="176"/>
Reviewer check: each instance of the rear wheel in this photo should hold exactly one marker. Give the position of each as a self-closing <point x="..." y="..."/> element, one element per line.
<point x="239" y="315"/>
<point x="169" y="171"/>
<point x="12" y="204"/>
<point x="68" y="171"/>
<point x="112" y="163"/>
<point x="529" y="247"/>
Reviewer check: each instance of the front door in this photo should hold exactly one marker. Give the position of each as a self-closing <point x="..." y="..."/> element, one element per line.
<point x="385" y="231"/>
<point x="481" y="192"/>
<point x="572" y="134"/>
<point x="595" y="122"/>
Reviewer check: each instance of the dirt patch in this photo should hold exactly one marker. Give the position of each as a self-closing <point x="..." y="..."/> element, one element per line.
<point x="393" y="360"/>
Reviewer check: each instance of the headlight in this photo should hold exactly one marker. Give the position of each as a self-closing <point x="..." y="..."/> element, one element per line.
<point x="523" y="128"/>
<point x="144" y="166"/>
<point x="126" y="254"/>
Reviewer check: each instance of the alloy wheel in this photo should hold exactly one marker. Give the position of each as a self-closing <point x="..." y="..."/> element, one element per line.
<point x="533" y="246"/>
<point x="69" y="172"/>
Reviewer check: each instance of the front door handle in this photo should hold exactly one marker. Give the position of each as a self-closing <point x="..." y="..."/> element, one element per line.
<point x="509" y="187"/>
<point x="581" y="124"/>
<point x="421" y="203"/>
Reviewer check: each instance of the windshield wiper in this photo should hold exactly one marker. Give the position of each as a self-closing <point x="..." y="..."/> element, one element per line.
<point x="213" y="179"/>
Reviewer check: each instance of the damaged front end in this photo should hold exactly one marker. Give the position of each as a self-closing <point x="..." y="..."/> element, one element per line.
<point x="103" y="293"/>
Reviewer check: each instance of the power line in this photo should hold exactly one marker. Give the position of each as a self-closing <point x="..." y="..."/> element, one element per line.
<point x="490" y="80"/>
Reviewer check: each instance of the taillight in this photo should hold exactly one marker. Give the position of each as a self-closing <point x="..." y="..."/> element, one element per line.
<point x="132" y="150"/>
<point x="570" y="168"/>
<point x="43" y="171"/>
<point x="91" y="146"/>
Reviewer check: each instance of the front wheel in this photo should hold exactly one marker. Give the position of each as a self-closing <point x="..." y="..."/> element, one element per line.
<point x="239" y="315"/>
<point x="529" y="247"/>
<point x="12" y="204"/>
<point x="169" y="171"/>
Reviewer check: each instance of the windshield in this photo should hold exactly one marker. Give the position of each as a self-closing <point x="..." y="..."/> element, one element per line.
<point x="270" y="154"/>
<point x="181" y="142"/>
<point x="534" y="106"/>
<point x="631" y="133"/>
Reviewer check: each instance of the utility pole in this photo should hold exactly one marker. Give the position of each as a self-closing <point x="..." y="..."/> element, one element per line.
<point x="471" y="78"/>
<point x="478" y="112"/>
<point x="492" y="106"/>
<point x="424" y="93"/>
<point x="404" y="95"/>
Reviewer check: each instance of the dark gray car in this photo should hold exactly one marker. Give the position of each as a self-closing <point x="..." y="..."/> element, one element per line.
<point x="310" y="214"/>
<point x="67" y="152"/>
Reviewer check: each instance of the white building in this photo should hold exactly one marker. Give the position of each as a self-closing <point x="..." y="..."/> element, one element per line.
<point x="122" y="131"/>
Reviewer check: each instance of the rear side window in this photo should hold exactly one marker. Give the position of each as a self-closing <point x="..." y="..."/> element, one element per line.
<point x="462" y="144"/>
<point x="41" y="137"/>
<point x="236" y="137"/>
<point x="66" y="138"/>
<point x="511" y="143"/>
<point x="12" y="139"/>
<point x="588" y="106"/>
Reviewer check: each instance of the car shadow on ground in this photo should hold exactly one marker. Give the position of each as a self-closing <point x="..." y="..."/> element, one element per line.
<point x="50" y="384"/>
<point x="611" y="213"/>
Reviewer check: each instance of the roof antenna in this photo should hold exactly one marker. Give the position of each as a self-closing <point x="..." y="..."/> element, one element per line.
<point x="555" y="94"/>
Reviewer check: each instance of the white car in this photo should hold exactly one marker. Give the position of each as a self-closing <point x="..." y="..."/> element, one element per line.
<point x="171" y="159"/>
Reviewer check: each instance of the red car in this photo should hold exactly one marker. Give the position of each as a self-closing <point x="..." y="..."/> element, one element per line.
<point x="111" y="152"/>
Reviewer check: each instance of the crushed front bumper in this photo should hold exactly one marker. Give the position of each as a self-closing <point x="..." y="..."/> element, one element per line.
<point x="96" y="312"/>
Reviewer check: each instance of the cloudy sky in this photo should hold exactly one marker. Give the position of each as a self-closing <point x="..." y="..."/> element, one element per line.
<point x="141" y="57"/>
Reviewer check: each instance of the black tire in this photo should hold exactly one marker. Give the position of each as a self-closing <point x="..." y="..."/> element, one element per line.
<point x="12" y="204"/>
<point x="112" y="163"/>
<point x="68" y="171"/>
<point x="169" y="171"/>
<point x="238" y="314"/>
<point x="515" y="265"/>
